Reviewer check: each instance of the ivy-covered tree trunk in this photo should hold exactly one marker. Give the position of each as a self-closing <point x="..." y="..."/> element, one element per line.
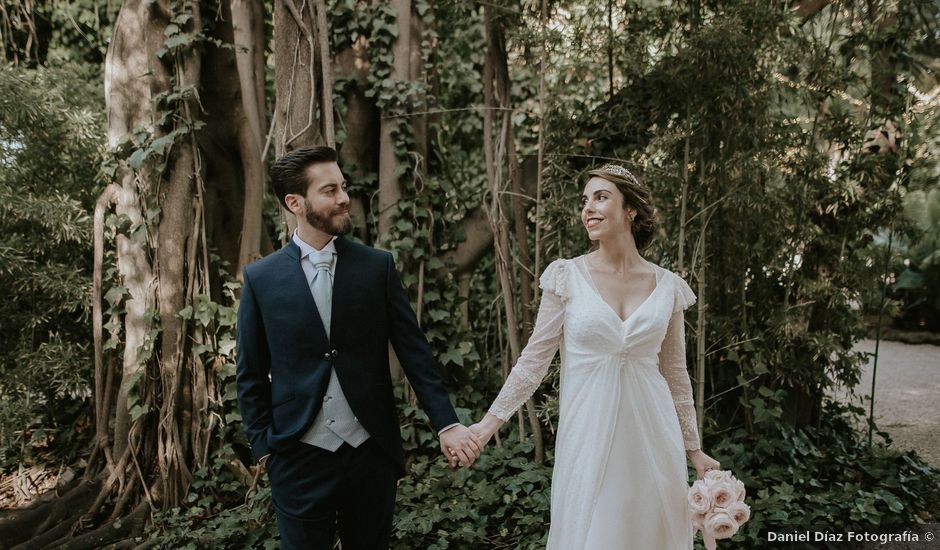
<point x="158" y="255"/>
<point x="177" y="130"/>
<point x="359" y="151"/>
<point x="389" y="166"/>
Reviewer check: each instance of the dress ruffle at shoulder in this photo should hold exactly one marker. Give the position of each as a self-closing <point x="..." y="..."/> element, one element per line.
<point x="684" y="295"/>
<point x="555" y="278"/>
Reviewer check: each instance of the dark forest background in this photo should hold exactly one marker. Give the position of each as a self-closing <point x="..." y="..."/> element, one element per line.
<point x="791" y="147"/>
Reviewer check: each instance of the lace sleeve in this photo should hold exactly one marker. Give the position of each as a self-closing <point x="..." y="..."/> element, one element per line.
<point x="535" y="359"/>
<point x="673" y="368"/>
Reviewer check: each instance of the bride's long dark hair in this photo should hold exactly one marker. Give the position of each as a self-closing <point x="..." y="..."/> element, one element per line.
<point x="637" y="195"/>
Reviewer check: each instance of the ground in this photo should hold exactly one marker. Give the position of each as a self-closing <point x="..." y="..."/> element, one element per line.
<point x="907" y="394"/>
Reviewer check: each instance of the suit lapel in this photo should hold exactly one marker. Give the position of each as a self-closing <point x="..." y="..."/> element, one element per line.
<point x="343" y="285"/>
<point x="297" y="286"/>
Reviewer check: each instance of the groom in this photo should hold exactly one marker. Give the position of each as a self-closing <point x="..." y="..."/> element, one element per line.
<point x="314" y="387"/>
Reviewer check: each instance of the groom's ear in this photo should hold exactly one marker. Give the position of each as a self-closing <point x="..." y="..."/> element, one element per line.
<point x="294" y="203"/>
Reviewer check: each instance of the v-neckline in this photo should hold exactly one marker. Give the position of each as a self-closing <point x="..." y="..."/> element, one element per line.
<point x="590" y="283"/>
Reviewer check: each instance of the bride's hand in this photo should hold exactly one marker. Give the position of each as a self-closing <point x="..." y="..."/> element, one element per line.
<point x="484" y="429"/>
<point x="702" y="462"/>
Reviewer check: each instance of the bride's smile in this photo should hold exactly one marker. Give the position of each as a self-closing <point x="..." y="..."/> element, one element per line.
<point x="603" y="211"/>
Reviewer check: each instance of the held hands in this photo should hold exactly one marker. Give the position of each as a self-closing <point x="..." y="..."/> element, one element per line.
<point x="702" y="463"/>
<point x="460" y="446"/>
<point x="485" y="428"/>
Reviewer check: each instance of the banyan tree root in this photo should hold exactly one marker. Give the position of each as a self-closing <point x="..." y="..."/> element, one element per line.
<point x="58" y="519"/>
<point x="47" y="515"/>
<point x="118" y="532"/>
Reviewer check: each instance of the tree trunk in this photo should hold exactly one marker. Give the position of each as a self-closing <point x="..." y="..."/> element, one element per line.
<point x="160" y="432"/>
<point x="127" y="99"/>
<point x="296" y="115"/>
<point x="700" y="349"/>
<point x="360" y="124"/>
<point x="248" y="35"/>
<point x="389" y="186"/>
<point x="327" y="127"/>
<point x="496" y="98"/>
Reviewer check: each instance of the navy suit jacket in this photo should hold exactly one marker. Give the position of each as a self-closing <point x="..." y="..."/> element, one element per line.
<point x="279" y="333"/>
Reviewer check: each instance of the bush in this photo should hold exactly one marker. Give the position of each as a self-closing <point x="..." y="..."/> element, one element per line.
<point x="50" y="144"/>
<point x="826" y="476"/>
<point x="219" y="512"/>
<point x="502" y="502"/>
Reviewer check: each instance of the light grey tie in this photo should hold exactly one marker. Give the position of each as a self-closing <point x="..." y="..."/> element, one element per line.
<point x="322" y="285"/>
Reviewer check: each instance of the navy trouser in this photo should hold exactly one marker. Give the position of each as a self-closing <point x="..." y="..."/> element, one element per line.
<point x="318" y="492"/>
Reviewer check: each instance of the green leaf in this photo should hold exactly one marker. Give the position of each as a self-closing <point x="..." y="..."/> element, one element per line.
<point x="178" y="40"/>
<point x="137" y="158"/>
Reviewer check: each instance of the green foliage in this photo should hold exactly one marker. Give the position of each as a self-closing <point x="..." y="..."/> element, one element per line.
<point x="826" y="475"/>
<point x="49" y="33"/>
<point x="823" y="475"/>
<point x="428" y="216"/>
<point x="503" y="502"/>
<point x="768" y="110"/>
<point x="742" y="120"/>
<point x="219" y="512"/>
<point x="919" y="278"/>
<point x="50" y="145"/>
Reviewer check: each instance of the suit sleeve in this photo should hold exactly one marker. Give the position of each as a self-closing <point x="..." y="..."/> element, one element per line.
<point x="253" y="362"/>
<point x="414" y="353"/>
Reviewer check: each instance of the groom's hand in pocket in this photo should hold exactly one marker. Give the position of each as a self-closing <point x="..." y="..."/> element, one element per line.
<point x="460" y="446"/>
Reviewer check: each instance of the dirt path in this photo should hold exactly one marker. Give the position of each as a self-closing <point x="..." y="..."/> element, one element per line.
<point x="907" y="394"/>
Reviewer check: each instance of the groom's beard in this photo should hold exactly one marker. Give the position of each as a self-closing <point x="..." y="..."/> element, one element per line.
<point x="336" y="222"/>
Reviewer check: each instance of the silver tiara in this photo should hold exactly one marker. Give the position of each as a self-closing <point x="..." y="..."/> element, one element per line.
<point x="620" y="171"/>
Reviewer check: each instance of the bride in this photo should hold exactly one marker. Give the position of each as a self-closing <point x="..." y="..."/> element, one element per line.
<point x="626" y="416"/>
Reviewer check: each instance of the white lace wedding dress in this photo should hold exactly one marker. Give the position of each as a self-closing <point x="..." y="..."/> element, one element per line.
<point x="626" y="413"/>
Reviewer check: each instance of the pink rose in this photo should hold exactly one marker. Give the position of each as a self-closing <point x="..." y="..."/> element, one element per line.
<point x="700" y="498"/>
<point x="723" y="493"/>
<point x="720" y="525"/>
<point x="713" y="476"/>
<point x="698" y="521"/>
<point x="741" y="492"/>
<point x="740" y="512"/>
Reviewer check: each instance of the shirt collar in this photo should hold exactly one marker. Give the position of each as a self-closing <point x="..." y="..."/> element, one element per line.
<point x="306" y="249"/>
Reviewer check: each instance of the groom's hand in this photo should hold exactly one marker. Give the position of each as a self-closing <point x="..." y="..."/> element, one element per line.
<point x="460" y="446"/>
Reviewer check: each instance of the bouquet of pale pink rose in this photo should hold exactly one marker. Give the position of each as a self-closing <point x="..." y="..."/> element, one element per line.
<point x="717" y="505"/>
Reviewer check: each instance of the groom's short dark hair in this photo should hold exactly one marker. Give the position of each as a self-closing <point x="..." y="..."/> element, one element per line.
<point x="289" y="173"/>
